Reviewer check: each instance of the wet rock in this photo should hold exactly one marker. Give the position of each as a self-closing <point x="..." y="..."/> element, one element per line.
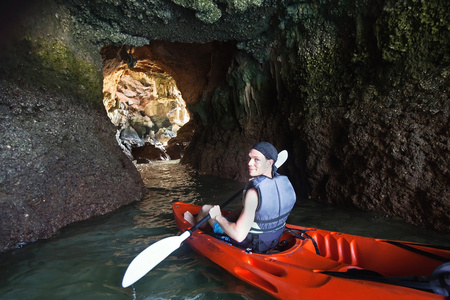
<point x="59" y="165"/>
<point x="149" y="152"/>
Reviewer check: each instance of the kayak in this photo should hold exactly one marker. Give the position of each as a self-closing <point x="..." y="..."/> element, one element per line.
<point x="311" y="263"/>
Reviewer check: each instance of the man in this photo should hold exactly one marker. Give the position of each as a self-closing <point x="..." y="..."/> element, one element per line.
<point x="268" y="199"/>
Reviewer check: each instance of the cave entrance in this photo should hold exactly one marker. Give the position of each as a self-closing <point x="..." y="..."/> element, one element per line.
<point x="144" y="103"/>
<point x="151" y="91"/>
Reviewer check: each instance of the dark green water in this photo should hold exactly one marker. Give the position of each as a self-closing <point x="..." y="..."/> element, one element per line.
<point x="87" y="260"/>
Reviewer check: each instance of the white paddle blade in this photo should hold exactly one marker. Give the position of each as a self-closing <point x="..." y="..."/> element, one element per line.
<point x="150" y="257"/>
<point x="282" y="157"/>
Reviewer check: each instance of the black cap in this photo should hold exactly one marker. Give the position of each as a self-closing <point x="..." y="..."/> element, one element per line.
<point x="267" y="150"/>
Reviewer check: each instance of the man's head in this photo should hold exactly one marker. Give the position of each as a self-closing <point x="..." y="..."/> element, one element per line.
<point x="262" y="159"/>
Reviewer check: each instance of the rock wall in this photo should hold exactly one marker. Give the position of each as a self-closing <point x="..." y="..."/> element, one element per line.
<point x="59" y="159"/>
<point x="356" y="91"/>
<point x="374" y="115"/>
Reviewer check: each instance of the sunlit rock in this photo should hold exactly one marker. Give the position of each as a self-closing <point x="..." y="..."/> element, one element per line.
<point x="142" y="100"/>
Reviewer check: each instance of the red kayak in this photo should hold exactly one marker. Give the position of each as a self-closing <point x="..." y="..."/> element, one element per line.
<point x="319" y="264"/>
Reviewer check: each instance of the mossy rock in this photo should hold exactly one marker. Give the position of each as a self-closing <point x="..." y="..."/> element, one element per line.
<point x="51" y="65"/>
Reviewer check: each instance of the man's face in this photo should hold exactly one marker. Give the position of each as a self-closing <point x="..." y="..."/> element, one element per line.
<point x="259" y="164"/>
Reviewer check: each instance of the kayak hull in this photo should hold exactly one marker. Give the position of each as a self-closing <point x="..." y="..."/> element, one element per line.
<point x="297" y="271"/>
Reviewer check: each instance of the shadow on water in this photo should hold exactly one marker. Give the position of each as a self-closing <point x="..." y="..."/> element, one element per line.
<point x="87" y="260"/>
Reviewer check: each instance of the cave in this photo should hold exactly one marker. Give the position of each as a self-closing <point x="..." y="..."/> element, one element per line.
<point x="356" y="92"/>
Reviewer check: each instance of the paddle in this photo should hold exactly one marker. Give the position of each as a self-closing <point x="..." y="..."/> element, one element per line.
<point x="438" y="282"/>
<point x="405" y="245"/>
<point x="157" y="252"/>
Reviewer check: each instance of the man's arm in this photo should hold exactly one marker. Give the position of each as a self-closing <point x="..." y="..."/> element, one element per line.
<point x="238" y="230"/>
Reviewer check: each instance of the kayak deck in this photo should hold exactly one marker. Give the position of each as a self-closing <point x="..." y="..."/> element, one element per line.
<point x="329" y="264"/>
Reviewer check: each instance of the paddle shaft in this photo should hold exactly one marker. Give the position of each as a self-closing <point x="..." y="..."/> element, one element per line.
<point x="207" y="217"/>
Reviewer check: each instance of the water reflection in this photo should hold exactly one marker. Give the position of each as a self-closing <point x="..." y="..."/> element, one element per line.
<point x="87" y="260"/>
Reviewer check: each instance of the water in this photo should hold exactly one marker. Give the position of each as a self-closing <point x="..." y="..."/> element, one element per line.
<point x="87" y="260"/>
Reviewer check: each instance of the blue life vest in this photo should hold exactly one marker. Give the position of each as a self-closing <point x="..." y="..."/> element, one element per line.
<point x="276" y="198"/>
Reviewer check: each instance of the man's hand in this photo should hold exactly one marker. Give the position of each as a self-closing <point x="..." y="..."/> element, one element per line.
<point x="215" y="212"/>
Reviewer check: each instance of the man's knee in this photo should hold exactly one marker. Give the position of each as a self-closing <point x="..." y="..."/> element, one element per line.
<point x="206" y="208"/>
